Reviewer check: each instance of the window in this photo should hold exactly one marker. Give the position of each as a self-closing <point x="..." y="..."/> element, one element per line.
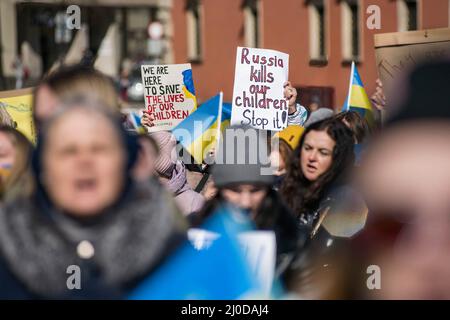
<point x="351" y="43"/>
<point x="252" y="23"/>
<point x="317" y="32"/>
<point x="194" y="16"/>
<point x="407" y="15"/>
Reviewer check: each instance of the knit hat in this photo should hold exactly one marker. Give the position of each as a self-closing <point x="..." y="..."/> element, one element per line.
<point x="291" y="135"/>
<point x="319" y="115"/>
<point x="243" y="157"/>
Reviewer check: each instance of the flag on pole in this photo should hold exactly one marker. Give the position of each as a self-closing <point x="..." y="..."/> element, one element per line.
<point x="200" y="131"/>
<point x="357" y="99"/>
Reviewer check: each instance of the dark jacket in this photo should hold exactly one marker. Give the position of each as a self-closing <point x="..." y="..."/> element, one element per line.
<point x="340" y="215"/>
<point x="38" y="244"/>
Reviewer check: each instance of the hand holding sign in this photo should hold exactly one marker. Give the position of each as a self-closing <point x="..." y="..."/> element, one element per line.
<point x="258" y="95"/>
<point x="290" y="93"/>
<point x="147" y="119"/>
<point x="378" y="98"/>
<point x="169" y="95"/>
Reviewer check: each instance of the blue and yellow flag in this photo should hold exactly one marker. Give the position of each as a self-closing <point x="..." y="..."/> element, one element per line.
<point x="200" y="131"/>
<point x="217" y="272"/>
<point x="357" y="99"/>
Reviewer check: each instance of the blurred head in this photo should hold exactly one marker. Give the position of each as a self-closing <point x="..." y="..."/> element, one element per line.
<point x="315" y="104"/>
<point x="239" y="172"/>
<point x="325" y="152"/>
<point x="15" y="153"/>
<point x="280" y="156"/>
<point x="83" y="159"/>
<point x="69" y="82"/>
<point x="357" y="124"/>
<point x="248" y="197"/>
<point x="144" y="168"/>
<point x="405" y="180"/>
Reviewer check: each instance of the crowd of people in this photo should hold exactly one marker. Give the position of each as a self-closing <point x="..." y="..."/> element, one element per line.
<point x="343" y="196"/>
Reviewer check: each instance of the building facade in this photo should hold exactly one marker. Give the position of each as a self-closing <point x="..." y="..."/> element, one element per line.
<point x="322" y="37"/>
<point x="110" y="31"/>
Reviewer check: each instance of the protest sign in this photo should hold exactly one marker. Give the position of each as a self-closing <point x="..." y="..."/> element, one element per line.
<point x="258" y="98"/>
<point x="16" y="111"/>
<point x="398" y="52"/>
<point x="169" y="94"/>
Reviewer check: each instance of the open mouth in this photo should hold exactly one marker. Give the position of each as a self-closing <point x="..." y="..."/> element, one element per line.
<point x="88" y="184"/>
<point x="311" y="168"/>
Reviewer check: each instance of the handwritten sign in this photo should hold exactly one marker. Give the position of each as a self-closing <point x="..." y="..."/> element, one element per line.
<point x="399" y="52"/>
<point x="258" y="98"/>
<point x="16" y="111"/>
<point x="169" y="94"/>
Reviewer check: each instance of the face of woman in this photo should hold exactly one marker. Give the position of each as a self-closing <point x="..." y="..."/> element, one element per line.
<point x="7" y="151"/>
<point x="277" y="162"/>
<point x="316" y="154"/>
<point x="7" y="156"/>
<point x="245" y="196"/>
<point x="83" y="163"/>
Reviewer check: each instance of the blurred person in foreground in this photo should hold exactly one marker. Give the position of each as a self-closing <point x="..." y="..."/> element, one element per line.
<point x="405" y="179"/>
<point x="86" y="212"/>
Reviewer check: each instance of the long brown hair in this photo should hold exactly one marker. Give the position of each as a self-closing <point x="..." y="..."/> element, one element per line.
<point x="302" y="195"/>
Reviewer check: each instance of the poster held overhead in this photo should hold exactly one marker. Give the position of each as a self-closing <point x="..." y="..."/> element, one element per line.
<point x="258" y="94"/>
<point x="169" y="94"/>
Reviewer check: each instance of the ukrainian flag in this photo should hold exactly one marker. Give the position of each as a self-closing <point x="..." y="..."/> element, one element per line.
<point x="357" y="99"/>
<point x="219" y="272"/>
<point x="201" y="129"/>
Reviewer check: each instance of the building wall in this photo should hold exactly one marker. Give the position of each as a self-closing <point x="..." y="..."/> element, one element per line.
<point x="223" y="32"/>
<point x="284" y="27"/>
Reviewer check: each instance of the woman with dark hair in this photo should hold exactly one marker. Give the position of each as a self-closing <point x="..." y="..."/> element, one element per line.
<point x="324" y="154"/>
<point x="316" y="191"/>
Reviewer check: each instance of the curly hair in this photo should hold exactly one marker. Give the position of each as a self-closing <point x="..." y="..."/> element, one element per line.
<point x="304" y="196"/>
